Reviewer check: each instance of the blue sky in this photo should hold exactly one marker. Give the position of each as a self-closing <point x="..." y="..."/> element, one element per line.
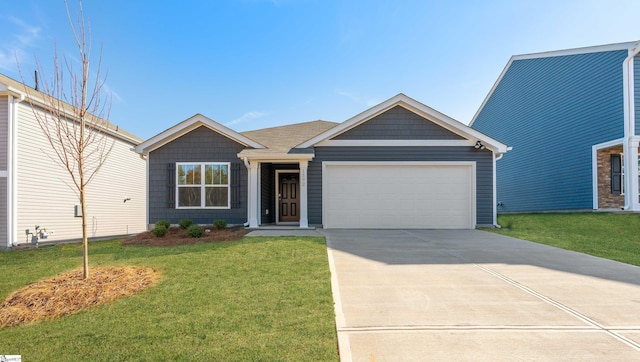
<point x="253" y="64"/>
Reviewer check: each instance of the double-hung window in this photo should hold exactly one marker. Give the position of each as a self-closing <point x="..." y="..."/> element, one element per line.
<point x="203" y="185"/>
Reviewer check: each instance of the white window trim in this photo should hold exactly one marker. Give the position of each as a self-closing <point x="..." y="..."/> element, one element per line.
<point x="203" y="186"/>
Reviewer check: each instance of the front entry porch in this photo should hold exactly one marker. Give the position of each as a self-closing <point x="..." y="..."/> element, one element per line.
<point x="616" y="180"/>
<point x="277" y="193"/>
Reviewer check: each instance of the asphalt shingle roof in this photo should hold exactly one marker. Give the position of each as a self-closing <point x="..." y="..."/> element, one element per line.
<point x="284" y="138"/>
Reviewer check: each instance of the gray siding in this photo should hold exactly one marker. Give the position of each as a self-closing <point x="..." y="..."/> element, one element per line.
<point x="199" y="145"/>
<point x="551" y="111"/>
<point x="483" y="159"/>
<point x="398" y="123"/>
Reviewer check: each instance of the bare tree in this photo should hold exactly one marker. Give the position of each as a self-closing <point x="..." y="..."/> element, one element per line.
<point x="73" y="113"/>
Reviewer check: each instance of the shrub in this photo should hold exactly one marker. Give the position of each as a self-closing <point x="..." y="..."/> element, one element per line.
<point x="220" y="224"/>
<point x="159" y="230"/>
<point x="194" y="231"/>
<point x="164" y="223"/>
<point x="185" y="223"/>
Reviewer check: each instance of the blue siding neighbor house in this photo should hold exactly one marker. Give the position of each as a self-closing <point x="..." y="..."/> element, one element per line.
<point x="570" y="117"/>
<point x="399" y="164"/>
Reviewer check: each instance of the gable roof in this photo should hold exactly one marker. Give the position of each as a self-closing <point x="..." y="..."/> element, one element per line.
<point x="412" y="105"/>
<point x="189" y="125"/>
<point x="283" y="138"/>
<point x="19" y="89"/>
<point x="549" y="54"/>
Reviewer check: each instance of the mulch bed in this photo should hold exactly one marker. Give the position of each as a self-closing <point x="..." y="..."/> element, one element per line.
<point x="68" y="293"/>
<point x="177" y="236"/>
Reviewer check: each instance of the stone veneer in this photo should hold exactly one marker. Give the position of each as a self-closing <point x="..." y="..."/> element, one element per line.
<point x="607" y="200"/>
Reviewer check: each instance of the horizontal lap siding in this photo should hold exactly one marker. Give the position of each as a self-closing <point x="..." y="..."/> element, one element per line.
<point x="46" y="194"/>
<point x="398" y="123"/>
<point x="199" y="145"/>
<point x="4" y="132"/>
<point x="483" y="159"/>
<point x="636" y="95"/>
<point x="551" y="111"/>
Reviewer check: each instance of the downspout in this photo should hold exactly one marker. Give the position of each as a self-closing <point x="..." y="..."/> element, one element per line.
<point x="12" y="179"/>
<point x="248" y="166"/>
<point x="629" y="126"/>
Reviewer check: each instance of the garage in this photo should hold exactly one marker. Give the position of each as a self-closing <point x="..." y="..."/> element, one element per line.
<point x="419" y="195"/>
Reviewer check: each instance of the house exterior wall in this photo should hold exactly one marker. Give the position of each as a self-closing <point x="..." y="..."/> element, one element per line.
<point x="483" y="159"/>
<point x="636" y="91"/>
<point x="199" y="145"/>
<point x="398" y="123"/>
<point x="46" y="195"/>
<point x="606" y="199"/>
<point x="551" y="111"/>
<point x="4" y="132"/>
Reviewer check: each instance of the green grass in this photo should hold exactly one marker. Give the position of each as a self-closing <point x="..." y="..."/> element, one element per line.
<point x="255" y="299"/>
<point x="614" y="236"/>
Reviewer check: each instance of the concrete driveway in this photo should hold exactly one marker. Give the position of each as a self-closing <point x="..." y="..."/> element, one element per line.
<point x="420" y="295"/>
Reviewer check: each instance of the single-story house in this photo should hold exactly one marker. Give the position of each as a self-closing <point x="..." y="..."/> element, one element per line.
<point x="37" y="196"/>
<point x="571" y="118"/>
<point x="399" y="164"/>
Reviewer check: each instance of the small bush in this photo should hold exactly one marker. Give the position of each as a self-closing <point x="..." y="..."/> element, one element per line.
<point x="185" y="223"/>
<point x="164" y="223"/>
<point x="220" y="224"/>
<point x="159" y="231"/>
<point x="194" y="231"/>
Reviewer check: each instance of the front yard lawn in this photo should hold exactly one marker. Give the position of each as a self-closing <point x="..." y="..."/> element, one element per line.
<point x="614" y="236"/>
<point x="253" y="299"/>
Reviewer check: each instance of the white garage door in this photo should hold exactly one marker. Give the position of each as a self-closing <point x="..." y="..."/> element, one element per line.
<point x="430" y="195"/>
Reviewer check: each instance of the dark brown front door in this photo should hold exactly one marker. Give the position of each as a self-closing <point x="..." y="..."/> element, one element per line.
<point x="288" y="198"/>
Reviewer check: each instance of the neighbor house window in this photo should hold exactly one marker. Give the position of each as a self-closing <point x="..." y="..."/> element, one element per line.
<point x="617" y="175"/>
<point x="203" y="185"/>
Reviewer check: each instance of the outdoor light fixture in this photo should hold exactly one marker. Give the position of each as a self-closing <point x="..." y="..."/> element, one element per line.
<point x="479" y="146"/>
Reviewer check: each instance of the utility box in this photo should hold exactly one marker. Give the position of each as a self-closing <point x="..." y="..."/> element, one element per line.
<point x="77" y="211"/>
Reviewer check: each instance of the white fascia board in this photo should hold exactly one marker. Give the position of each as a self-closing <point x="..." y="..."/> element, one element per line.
<point x="415" y="107"/>
<point x="493" y="88"/>
<point x="275" y="157"/>
<point x="612" y="143"/>
<point x="395" y="143"/>
<point x="189" y="125"/>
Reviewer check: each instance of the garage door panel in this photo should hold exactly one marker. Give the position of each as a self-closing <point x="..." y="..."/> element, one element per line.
<point x="399" y="196"/>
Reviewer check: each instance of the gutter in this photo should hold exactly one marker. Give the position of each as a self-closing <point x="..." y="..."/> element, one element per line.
<point x="629" y="125"/>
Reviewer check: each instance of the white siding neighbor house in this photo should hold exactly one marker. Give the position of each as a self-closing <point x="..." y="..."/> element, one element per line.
<point x="35" y="190"/>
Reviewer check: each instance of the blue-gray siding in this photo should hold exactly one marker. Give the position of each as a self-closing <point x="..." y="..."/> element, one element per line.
<point x="398" y="123"/>
<point x="551" y="111"/>
<point x="483" y="159"/>
<point x="199" y="145"/>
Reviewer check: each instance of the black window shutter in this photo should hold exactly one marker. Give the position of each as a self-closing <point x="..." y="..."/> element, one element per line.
<point x="616" y="174"/>
<point x="171" y="186"/>
<point x="235" y="185"/>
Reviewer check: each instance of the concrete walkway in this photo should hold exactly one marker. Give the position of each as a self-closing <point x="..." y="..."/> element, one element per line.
<point x="434" y="295"/>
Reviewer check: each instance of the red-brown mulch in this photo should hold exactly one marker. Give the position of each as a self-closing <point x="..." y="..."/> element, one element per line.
<point x="177" y="236"/>
<point x="68" y="293"/>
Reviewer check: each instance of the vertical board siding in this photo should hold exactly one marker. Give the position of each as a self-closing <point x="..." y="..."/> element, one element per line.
<point x="4" y="132"/>
<point x="483" y="159"/>
<point x="199" y="145"/>
<point x="46" y="194"/>
<point x="551" y="111"/>
<point x="267" y="193"/>
<point x="398" y="123"/>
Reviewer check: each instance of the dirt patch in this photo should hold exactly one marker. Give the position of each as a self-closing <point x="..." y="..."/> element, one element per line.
<point x="68" y="293"/>
<point x="177" y="236"/>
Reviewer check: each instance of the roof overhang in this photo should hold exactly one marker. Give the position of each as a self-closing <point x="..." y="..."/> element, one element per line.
<point x="257" y="155"/>
<point x="416" y="107"/>
<point x="189" y="125"/>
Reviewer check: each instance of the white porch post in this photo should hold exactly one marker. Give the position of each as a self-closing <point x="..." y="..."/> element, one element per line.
<point x="632" y="189"/>
<point x="304" y="221"/>
<point x="253" y="195"/>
